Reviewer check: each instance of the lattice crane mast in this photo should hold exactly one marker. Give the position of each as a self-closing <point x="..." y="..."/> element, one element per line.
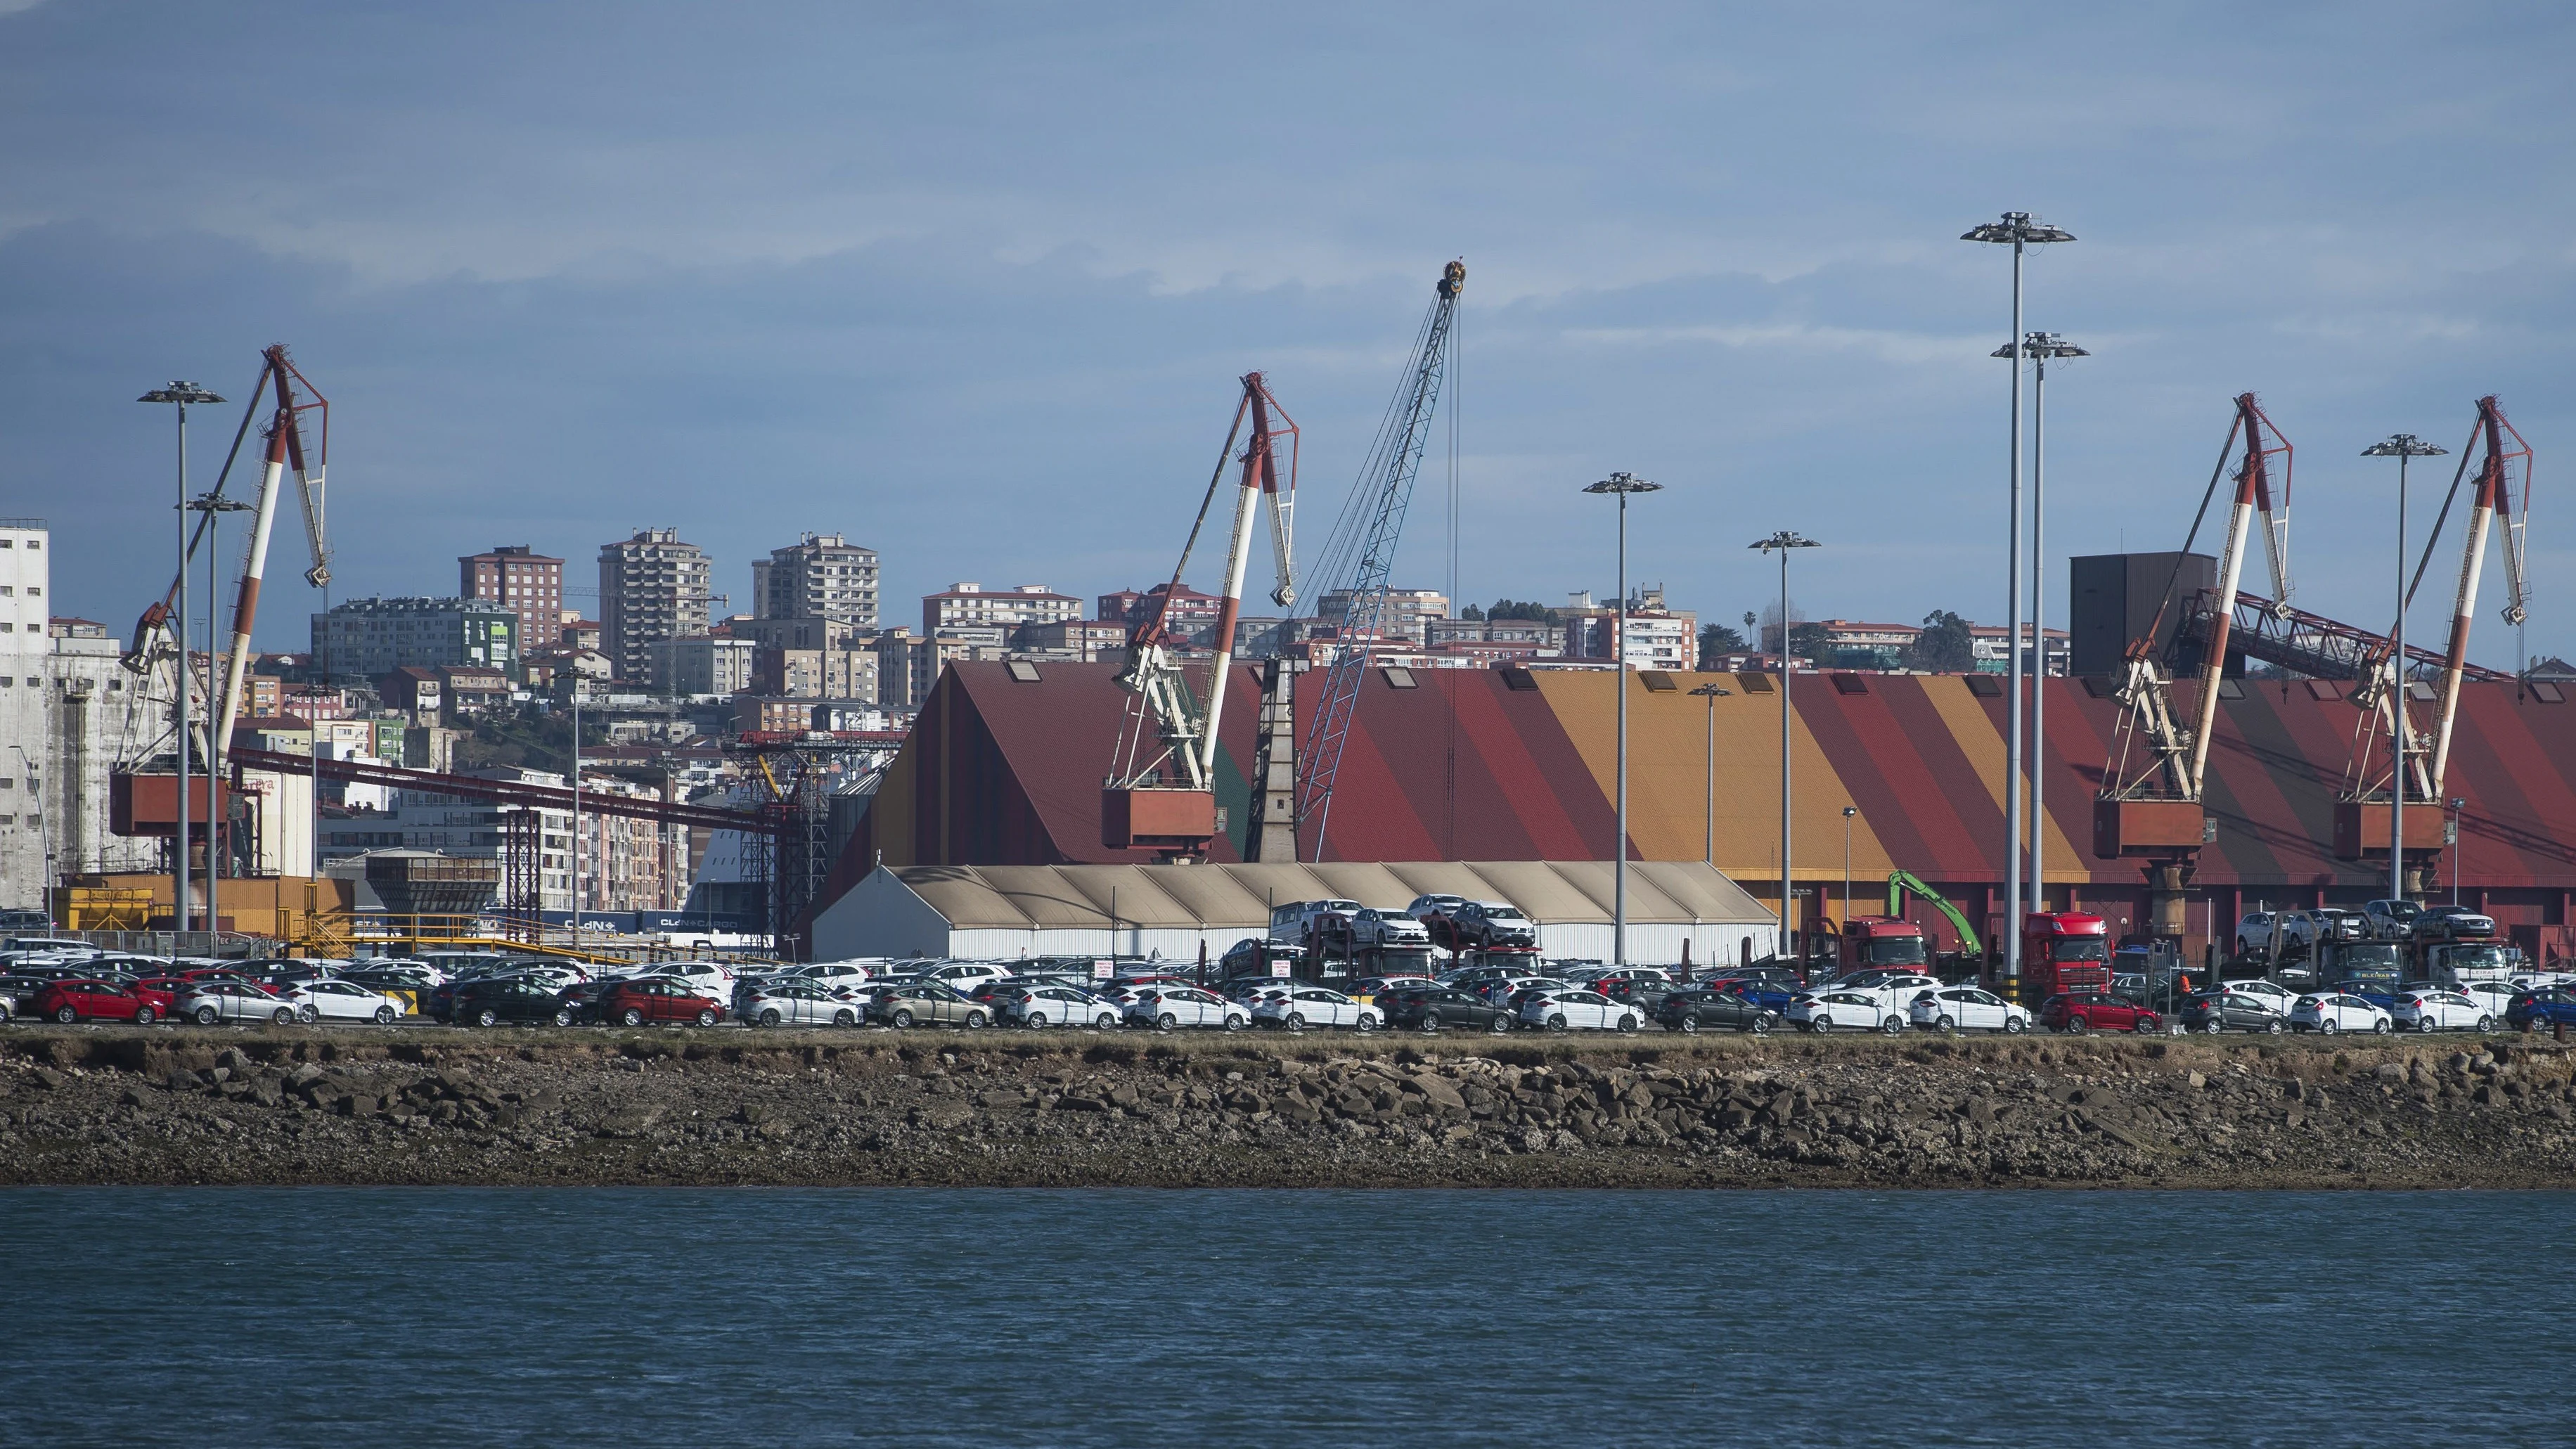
<point x="1168" y="730"/>
<point x="1368" y="533"/>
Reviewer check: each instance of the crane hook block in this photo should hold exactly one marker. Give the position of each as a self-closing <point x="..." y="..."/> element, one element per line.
<point x="1453" y="279"/>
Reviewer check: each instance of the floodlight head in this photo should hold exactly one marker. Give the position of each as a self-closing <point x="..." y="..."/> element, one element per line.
<point x="1784" y="539"/>
<point x="2458" y="804"/>
<point x="1623" y="483"/>
<point x="2049" y="344"/>
<point x="1712" y="691"/>
<point x="2017" y="227"/>
<point x="2404" y="445"/>
<point x="1850" y="810"/>
<point x="179" y="392"/>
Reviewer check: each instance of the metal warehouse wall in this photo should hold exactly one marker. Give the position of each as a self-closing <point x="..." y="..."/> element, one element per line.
<point x="1005" y="772"/>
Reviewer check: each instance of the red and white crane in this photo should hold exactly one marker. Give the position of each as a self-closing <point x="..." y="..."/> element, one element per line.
<point x="286" y="448"/>
<point x="1166" y="724"/>
<point x="2502" y="490"/>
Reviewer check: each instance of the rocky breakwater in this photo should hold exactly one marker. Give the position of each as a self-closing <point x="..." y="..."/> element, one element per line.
<point x="163" y="1105"/>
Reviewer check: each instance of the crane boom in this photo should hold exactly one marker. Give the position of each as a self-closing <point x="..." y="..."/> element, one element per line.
<point x="2254" y="493"/>
<point x="285" y="448"/>
<point x="1382" y="496"/>
<point x="2503" y="488"/>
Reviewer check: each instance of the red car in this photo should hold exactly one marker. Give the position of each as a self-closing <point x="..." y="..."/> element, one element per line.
<point x="161" y="991"/>
<point x="70" y="1001"/>
<point x="2094" y="1011"/>
<point x="635" y="1003"/>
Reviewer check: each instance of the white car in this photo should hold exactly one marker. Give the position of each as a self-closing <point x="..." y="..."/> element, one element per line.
<point x="2492" y="997"/>
<point x="1045" y="1004"/>
<point x="1306" y="1006"/>
<point x="2333" y="1011"/>
<point x="1384" y="928"/>
<point x="1575" y="1008"/>
<point x="1968" y="1008"/>
<point x="1502" y="988"/>
<point x="798" y="1003"/>
<point x="216" y="1001"/>
<point x="2439" y="1008"/>
<point x="708" y="978"/>
<point x="2271" y="993"/>
<point x="1866" y="1010"/>
<point x="329" y="1000"/>
<point x="1425" y="907"/>
<point x="1292" y="923"/>
<point x="2254" y="933"/>
<point x="1166" y="1007"/>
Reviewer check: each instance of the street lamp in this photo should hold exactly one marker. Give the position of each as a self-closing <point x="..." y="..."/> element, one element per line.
<point x="1782" y="542"/>
<point x="1712" y="692"/>
<point x="1848" y="812"/>
<point x="2405" y="448"/>
<point x="2456" y="804"/>
<point x="182" y="393"/>
<point x="214" y="506"/>
<point x="2020" y="232"/>
<point x="2039" y="347"/>
<point x="1622" y="485"/>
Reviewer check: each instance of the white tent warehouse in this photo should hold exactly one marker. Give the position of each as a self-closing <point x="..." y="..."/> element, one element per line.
<point x="1008" y="912"/>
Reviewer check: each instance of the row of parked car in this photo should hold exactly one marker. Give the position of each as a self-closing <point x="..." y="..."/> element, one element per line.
<point x="2281" y="932"/>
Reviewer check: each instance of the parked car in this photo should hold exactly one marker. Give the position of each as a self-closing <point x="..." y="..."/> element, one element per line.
<point x="2254" y="933"/>
<point x="335" y="1000"/>
<point x="1254" y="956"/>
<point x="207" y="1002"/>
<point x="1374" y="928"/>
<point x="1433" y="1007"/>
<point x="1166" y="1008"/>
<point x="963" y="975"/>
<point x="1864" y="1010"/>
<point x="1687" y="1009"/>
<point x="1966" y="1008"/>
<point x="2495" y="998"/>
<point x="1644" y="990"/>
<point x="78" y="1000"/>
<point x="1773" y="986"/>
<point x="1302" y="1006"/>
<point x="1424" y="907"/>
<point x="2453" y="923"/>
<point x="2227" y="1009"/>
<point x="1294" y="922"/>
<point x="2096" y="1011"/>
<point x="926" y="1003"/>
<point x="2548" y="1006"/>
<point x="2391" y="920"/>
<point x="2440" y="1008"/>
<point x="494" y="1000"/>
<point x="2269" y="993"/>
<point x="1370" y="987"/>
<point x="797" y="1003"/>
<point x="2327" y="923"/>
<point x="1054" y="1005"/>
<point x="1569" y="1008"/>
<point x="1484" y="925"/>
<point x="2333" y="1011"/>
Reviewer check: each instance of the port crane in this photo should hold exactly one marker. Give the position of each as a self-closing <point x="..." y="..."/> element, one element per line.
<point x="1160" y="792"/>
<point x="2150" y="803"/>
<point x="1369" y="529"/>
<point x="153" y="643"/>
<point x="2389" y="751"/>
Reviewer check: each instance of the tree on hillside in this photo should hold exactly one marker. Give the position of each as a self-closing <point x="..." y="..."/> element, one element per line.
<point x="1475" y="612"/>
<point x="1715" y="640"/>
<point x="1944" y="646"/>
<point x="1521" y="609"/>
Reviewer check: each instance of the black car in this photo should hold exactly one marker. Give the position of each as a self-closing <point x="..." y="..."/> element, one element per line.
<point x="2217" y="1011"/>
<point x="1430" y="1008"/>
<point x="491" y="1002"/>
<point x="1646" y="993"/>
<point x="1689" y="1010"/>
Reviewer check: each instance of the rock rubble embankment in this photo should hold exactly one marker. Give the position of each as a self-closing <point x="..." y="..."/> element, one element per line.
<point x="461" y="1107"/>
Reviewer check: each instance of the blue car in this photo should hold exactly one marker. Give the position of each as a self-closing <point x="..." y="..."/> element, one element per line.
<point x="1770" y="990"/>
<point x="2549" y="1006"/>
<point x="2382" y="994"/>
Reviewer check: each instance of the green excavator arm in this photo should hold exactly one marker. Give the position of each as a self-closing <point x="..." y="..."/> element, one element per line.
<point x="1900" y="882"/>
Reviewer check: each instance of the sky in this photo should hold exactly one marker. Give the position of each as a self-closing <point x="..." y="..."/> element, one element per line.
<point x="971" y="284"/>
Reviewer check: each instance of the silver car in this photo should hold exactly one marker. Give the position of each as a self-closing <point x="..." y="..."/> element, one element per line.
<point x="794" y="1003"/>
<point x="207" y="1003"/>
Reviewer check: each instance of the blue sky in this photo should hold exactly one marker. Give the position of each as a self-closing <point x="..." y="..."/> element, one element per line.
<point x="971" y="283"/>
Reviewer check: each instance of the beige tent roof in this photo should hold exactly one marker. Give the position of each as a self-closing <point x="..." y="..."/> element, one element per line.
<point x="1220" y="897"/>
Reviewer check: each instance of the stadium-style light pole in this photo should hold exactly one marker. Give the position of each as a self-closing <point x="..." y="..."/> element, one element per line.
<point x="214" y="508"/>
<point x="2017" y="230"/>
<point x="1782" y="543"/>
<point x="1848" y="812"/>
<point x="2456" y="849"/>
<point x="1621" y="484"/>
<point x="1712" y="692"/>
<point x="182" y="393"/>
<point x="2405" y="448"/>
<point x="2039" y="347"/>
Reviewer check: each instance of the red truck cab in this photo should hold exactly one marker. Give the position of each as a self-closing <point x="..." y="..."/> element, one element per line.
<point x="1882" y="942"/>
<point x="2064" y="951"/>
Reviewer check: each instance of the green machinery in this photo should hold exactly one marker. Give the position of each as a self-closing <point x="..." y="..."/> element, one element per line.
<point x="1902" y="882"/>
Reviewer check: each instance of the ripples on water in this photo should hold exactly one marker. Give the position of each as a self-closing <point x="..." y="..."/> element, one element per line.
<point x="1182" y="1319"/>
